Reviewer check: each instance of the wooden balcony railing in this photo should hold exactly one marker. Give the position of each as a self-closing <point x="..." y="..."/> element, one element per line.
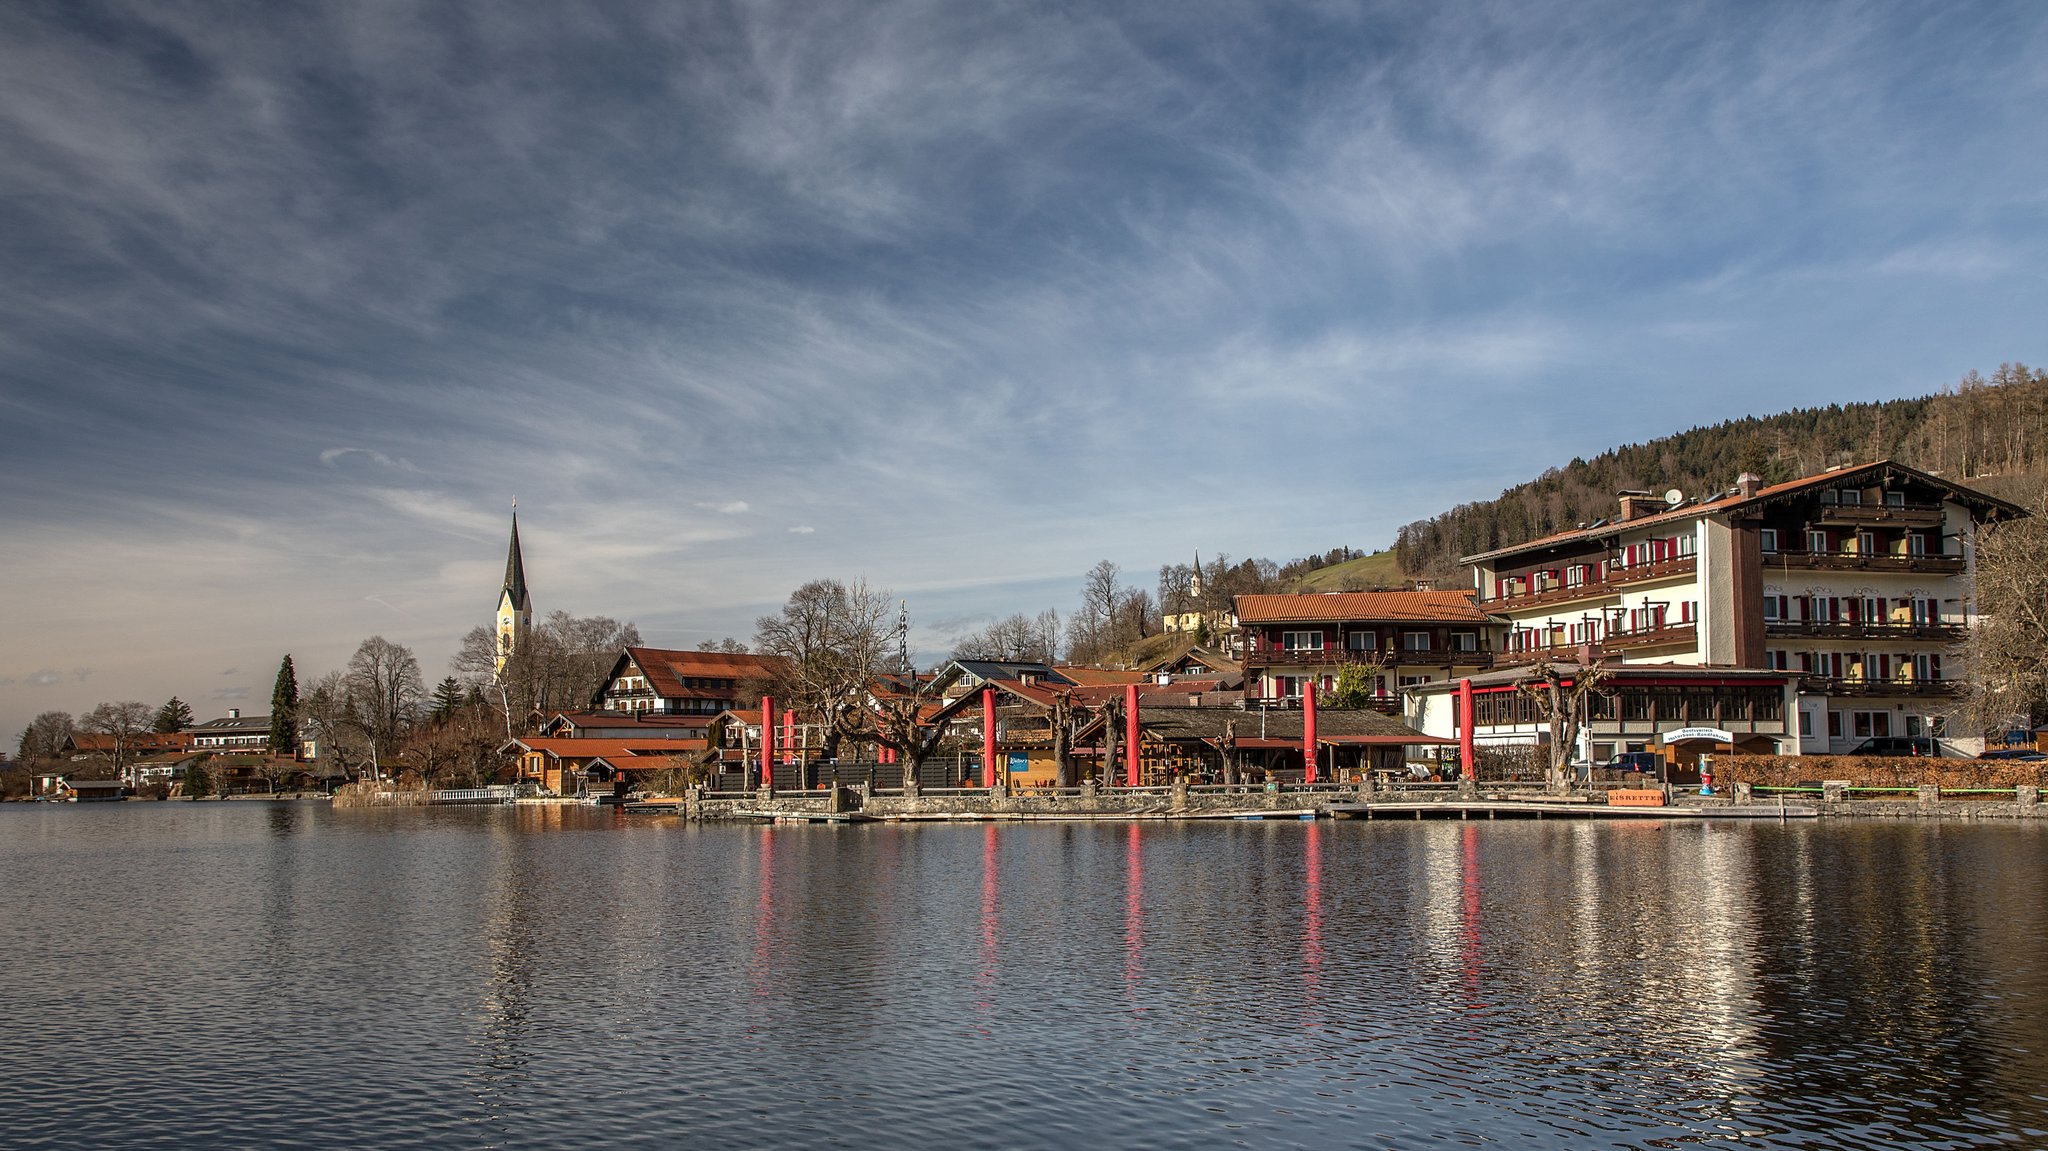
<point x="1669" y="634"/>
<point x="1596" y="589"/>
<point x="1338" y="657"/>
<point x="1877" y="515"/>
<point x="1813" y="629"/>
<point x="1852" y="561"/>
<point x="1854" y="685"/>
<point x="1683" y="565"/>
<point x="1672" y="635"/>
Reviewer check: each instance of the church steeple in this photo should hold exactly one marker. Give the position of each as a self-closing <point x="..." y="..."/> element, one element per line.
<point x="515" y="604"/>
<point x="515" y="567"/>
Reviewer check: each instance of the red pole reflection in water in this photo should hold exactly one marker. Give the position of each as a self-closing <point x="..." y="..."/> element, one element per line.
<point x="764" y="916"/>
<point x="985" y="978"/>
<point x="1312" y="915"/>
<point x="1468" y="929"/>
<point x="1134" y="913"/>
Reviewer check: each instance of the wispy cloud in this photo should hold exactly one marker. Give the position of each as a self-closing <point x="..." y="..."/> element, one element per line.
<point x="298" y="301"/>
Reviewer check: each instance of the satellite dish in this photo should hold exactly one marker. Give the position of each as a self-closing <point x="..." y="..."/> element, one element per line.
<point x="1674" y="497"/>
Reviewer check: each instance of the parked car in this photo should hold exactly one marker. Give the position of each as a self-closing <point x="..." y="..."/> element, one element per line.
<point x="1921" y="745"/>
<point x="2024" y="753"/>
<point x="1648" y="762"/>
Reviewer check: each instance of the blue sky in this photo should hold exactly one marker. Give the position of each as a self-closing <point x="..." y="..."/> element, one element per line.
<point x="961" y="298"/>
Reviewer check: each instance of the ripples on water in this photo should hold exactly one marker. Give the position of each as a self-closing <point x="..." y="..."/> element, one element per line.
<point x="286" y="975"/>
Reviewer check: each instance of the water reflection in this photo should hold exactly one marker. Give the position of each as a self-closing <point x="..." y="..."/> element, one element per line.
<point x="544" y="976"/>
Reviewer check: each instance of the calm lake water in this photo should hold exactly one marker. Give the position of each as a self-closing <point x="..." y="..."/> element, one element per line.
<point x="249" y="974"/>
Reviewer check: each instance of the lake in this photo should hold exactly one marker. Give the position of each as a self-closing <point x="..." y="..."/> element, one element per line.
<point x="281" y="974"/>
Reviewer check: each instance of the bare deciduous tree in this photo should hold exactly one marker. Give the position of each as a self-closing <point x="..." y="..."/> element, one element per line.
<point x="2007" y="651"/>
<point x="1562" y="695"/>
<point x="384" y="692"/>
<point x="123" y="722"/>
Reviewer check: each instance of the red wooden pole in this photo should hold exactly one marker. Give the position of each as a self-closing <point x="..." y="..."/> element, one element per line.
<point x="1131" y="753"/>
<point x="1465" y="729"/>
<point x="1308" y="731"/>
<point x="767" y="741"/>
<point x="988" y="737"/>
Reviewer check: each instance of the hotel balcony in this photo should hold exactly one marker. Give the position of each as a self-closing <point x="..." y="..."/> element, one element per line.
<point x="1677" y="635"/>
<point x="1875" y="515"/>
<point x="1853" y="561"/>
<point x="1662" y="569"/>
<point x="1616" y="578"/>
<point x="1338" y="657"/>
<point x="1855" y="685"/>
<point x="1811" y="629"/>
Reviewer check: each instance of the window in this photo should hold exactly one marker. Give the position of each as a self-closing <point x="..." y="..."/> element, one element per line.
<point x="1866" y="543"/>
<point x="1851" y="499"/>
<point x="1834" y="725"/>
<point x="1775" y="660"/>
<point x="1767" y="539"/>
<point x="1817" y="542"/>
<point x="1895" y="499"/>
<point x="1871" y="724"/>
<point x="1362" y="641"/>
<point x="1926" y="667"/>
<point x="1413" y="680"/>
<point x="1916" y="544"/>
<point x="1287" y="686"/>
<point x="1301" y="640"/>
<point x="1774" y="608"/>
<point x="1414" y="641"/>
<point x="1464" y="641"/>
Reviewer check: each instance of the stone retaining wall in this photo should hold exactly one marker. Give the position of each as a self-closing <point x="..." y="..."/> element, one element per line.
<point x="1877" y="771"/>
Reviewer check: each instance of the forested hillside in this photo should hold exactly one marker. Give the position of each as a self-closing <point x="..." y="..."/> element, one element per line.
<point x="1986" y="432"/>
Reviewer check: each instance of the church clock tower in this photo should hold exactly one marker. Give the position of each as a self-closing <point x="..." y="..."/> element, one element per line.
<point x="515" y="606"/>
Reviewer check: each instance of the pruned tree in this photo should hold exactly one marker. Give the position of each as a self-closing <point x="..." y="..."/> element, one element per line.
<point x="284" y="710"/>
<point x="174" y="715"/>
<point x="1562" y="695"/>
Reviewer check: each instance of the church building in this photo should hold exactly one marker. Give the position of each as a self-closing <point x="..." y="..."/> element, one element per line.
<point x="515" y="606"/>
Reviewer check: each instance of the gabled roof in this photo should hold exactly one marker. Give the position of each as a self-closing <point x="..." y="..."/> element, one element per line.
<point x="1361" y="606"/>
<point x="1726" y="502"/>
<point x="666" y="668"/>
<point x="637" y="722"/>
<point x="560" y="747"/>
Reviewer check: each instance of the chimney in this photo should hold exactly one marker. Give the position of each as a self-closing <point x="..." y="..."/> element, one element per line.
<point x="1747" y="483"/>
<point x="1425" y="585"/>
<point x="234" y="713"/>
<point x="1635" y="504"/>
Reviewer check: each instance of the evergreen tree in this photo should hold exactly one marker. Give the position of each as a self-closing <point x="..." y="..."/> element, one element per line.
<point x="447" y="697"/>
<point x="173" y="716"/>
<point x="284" y="710"/>
<point x="197" y="784"/>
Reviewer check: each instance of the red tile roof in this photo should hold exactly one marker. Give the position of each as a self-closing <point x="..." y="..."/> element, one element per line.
<point x="666" y="668"/>
<point x="1725" y="501"/>
<point x="567" y="748"/>
<point x="1395" y="606"/>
